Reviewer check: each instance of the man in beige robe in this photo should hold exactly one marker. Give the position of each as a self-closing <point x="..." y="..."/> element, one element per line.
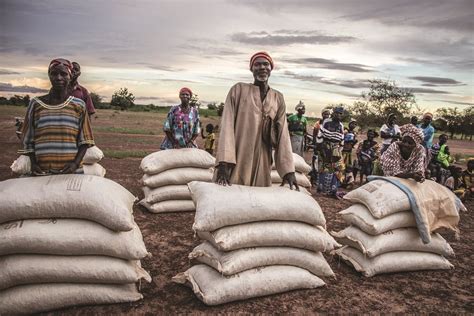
<point x="254" y="123"/>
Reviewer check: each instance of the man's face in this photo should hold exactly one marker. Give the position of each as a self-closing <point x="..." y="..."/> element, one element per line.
<point x="301" y="111"/>
<point x="392" y="120"/>
<point x="261" y="69"/>
<point x="370" y="135"/>
<point x="76" y="70"/>
<point x="337" y="116"/>
<point x="443" y="139"/>
<point x="326" y="115"/>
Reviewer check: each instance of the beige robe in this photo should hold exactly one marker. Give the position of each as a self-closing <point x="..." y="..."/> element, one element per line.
<point x="249" y="130"/>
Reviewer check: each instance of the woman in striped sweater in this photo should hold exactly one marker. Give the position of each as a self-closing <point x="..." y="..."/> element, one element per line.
<point x="57" y="132"/>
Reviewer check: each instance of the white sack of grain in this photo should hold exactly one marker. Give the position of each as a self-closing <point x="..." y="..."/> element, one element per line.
<point x="35" y="298"/>
<point x="300" y="164"/>
<point x="302" y="189"/>
<point x="169" y="192"/>
<point x="94" y="170"/>
<point x="232" y="262"/>
<point x="270" y="234"/>
<point x="301" y="179"/>
<point x="26" y="269"/>
<point x="22" y="165"/>
<point x="176" y="158"/>
<point x="169" y="206"/>
<point x="67" y="196"/>
<point x="244" y="204"/>
<point x="398" y="261"/>
<point x="401" y="239"/>
<point x="93" y="155"/>
<point x="358" y="215"/>
<point x="178" y="176"/>
<point x="381" y="198"/>
<point x="72" y="237"/>
<point x="213" y="289"/>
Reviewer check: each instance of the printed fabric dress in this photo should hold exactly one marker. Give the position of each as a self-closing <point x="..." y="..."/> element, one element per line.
<point x="183" y="126"/>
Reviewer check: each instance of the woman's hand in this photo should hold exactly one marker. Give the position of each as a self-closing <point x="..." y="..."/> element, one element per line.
<point x="419" y="177"/>
<point x="70" y="167"/>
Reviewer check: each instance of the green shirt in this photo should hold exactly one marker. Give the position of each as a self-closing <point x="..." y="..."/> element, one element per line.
<point x="297" y="125"/>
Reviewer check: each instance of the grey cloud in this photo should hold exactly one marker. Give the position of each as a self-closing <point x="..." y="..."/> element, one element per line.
<point x="427" y="91"/>
<point x="286" y="37"/>
<point x="6" y="87"/>
<point x="436" y="81"/>
<point x="457" y="102"/>
<point x="8" y="72"/>
<point x="353" y="84"/>
<point x="330" y="64"/>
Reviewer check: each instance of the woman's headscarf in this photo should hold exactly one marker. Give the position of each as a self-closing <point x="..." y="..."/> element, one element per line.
<point x="60" y="62"/>
<point x="413" y="132"/>
<point x="263" y="55"/>
<point x="185" y="89"/>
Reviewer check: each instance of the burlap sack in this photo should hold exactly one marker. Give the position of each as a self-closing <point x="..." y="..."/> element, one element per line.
<point x="92" y="155"/>
<point x="402" y="239"/>
<point x="300" y="164"/>
<point x="22" y="165"/>
<point x="67" y="196"/>
<point x="169" y="192"/>
<point x="213" y="289"/>
<point x="358" y="215"/>
<point x="178" y="176"/>
<point x="398" y="261"/>
<point x="94" y="170"/>
<point x="232" y="262"/>
<point x="72" y="237"/>
<point x="301" y="179"/>
<point x="169" y="206"/>
<point x="218" y="206"/>
<point x="35" y="298"/>
<point x="26" y="269"/>
<point x="270" y="234"/>
<point x="176" y="158"/>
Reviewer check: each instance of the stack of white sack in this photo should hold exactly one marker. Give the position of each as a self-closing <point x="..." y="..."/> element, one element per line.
<point x="90" y="162"/>
<point x="384" y="236"/>
<point x="301" y="171"/>
<point x="167" y="174"/>
<point x="256" y="242"/>
<point x="67" y="240"/>
<point x="22" y="165"/>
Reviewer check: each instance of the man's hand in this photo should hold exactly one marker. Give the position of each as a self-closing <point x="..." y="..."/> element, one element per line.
<point x="223" y="174"/>
<point x="290" y="178"/>
<point x="70" y="167"/>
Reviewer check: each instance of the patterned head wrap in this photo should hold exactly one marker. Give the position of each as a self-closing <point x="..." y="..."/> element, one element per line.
<point x="185" y="89"/>
<point x="60" y="62"/>
<point x="413" y="132"/>
<point x="299" y="106"/>
<point x="262" y="55"/>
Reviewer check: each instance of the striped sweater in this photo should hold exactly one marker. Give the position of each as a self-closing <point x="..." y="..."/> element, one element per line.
<point x="55" y="132"/>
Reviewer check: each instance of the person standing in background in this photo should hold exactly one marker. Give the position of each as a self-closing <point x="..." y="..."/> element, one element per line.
<point x="79" y="91"/>
<point x="297" y="126"/>
<point x="428" y="130"/>
<point x="389" y="132"/>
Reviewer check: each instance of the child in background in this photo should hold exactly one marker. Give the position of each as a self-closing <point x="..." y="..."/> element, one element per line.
<point x="209" y="143"/>
<point x="367" y="154"/>
<point x="466" y="189"/>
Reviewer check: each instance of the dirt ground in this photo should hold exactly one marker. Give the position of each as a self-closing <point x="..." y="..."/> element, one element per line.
<point x="170" y="239"/>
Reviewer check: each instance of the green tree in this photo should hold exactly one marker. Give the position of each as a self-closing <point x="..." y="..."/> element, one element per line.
<point x="220" y="109"/>
<point x="467" y="122"/>
<point x="212" y="106"/>
<point x="123" y="99"/>
<point x="453" y="118"/>
<point x="96" y="99"/>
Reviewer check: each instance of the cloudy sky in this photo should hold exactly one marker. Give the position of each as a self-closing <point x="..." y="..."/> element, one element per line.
<point x="325" y="51"/>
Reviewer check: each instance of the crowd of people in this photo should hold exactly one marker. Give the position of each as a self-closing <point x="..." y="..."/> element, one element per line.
<point x="255" y="132"/>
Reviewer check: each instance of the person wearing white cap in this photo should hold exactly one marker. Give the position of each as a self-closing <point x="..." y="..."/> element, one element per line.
<point x="297" y="126"/>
